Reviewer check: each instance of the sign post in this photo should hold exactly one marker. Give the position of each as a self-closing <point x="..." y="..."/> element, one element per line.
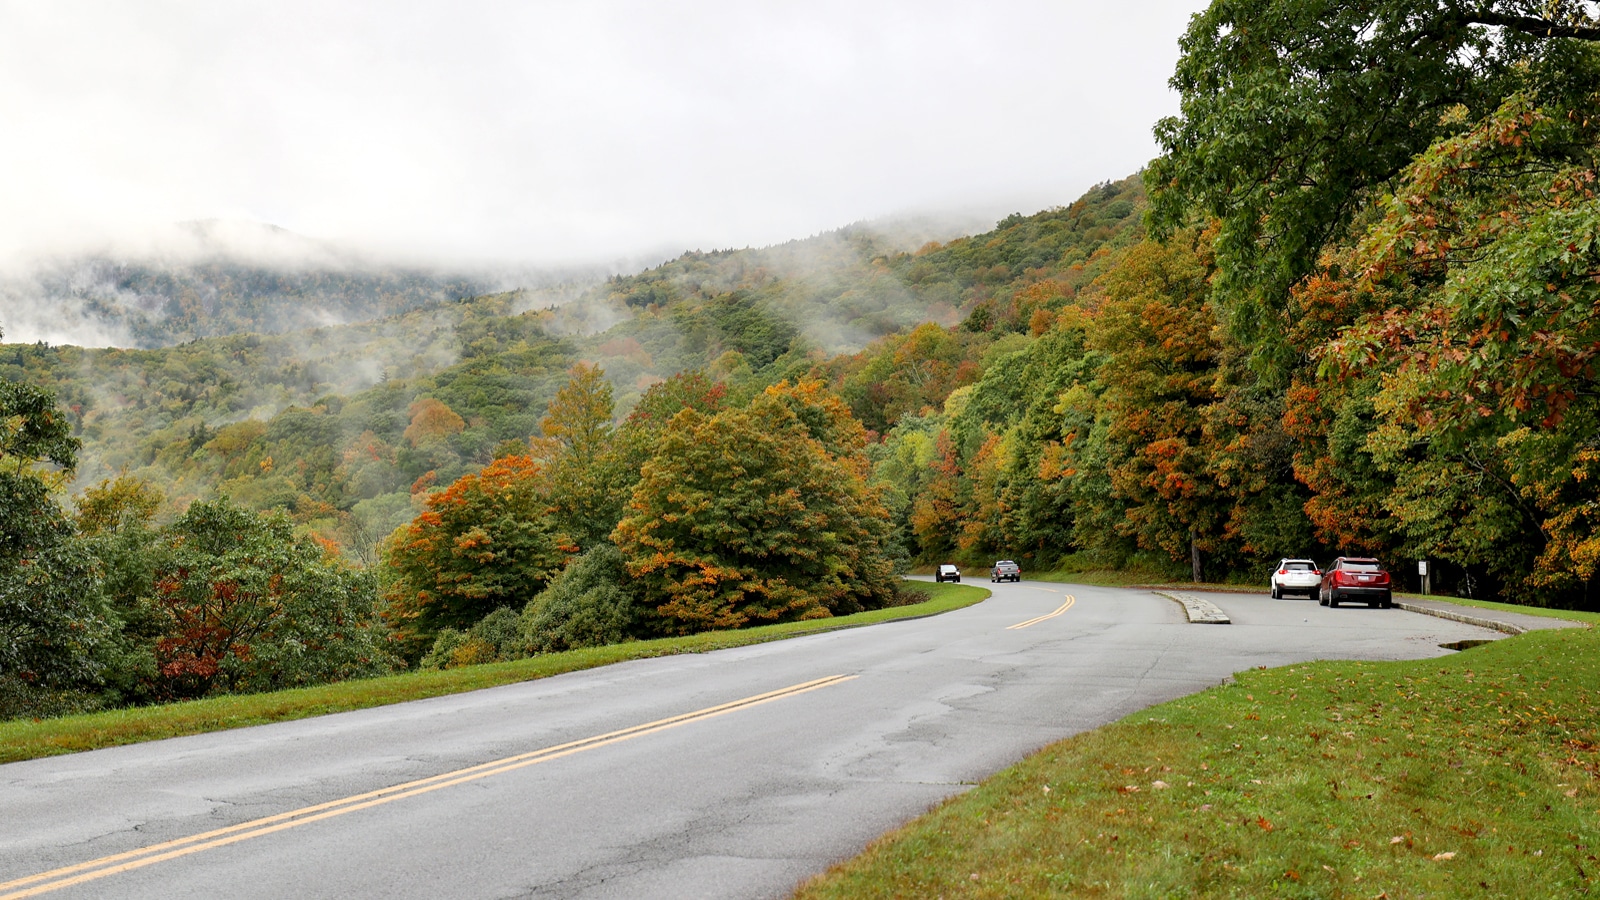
<point x="1422" y="570"/>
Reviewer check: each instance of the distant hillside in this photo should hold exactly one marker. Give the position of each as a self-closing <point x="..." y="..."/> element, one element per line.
<point x="846" y="288"/>
<point x="321" y="421"/>
<point x="209" y="279"/>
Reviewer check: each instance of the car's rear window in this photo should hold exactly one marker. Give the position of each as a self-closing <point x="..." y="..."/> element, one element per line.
<point x="1299" y="567"/>
<point x="1005" y="562"/>
<point x="1362" y="566"/>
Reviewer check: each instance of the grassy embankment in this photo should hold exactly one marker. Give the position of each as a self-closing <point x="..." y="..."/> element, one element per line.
<point x="1475" y="774"/>
<point x="27" y="739"/>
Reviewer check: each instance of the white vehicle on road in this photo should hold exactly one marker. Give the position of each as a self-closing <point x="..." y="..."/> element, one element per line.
<point x="1295" y="576"/>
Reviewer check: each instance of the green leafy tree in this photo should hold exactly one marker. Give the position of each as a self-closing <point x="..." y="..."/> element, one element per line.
<point x="1484" y="267"/>
<point x="251" y="607"/>
<point x="492" y="639"/>
<point x="51" y="621"/>
<point x="115" y="518"/>
<point x="1295" y="112"/>
<point x="1156" y="328"/>
<point x="33" y="429"/>
<point x="579" y="449"/>
<point x="590" y="604"/>
<point x="636" y="439"/>
<point x="744" y="517"/>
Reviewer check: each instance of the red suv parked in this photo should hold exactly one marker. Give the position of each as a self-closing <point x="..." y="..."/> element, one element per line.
<point x="1355" y="578"/>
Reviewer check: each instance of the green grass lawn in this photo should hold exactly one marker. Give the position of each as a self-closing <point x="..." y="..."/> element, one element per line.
<point x="1586" y="617"/>
<point x="27" y="739"/>
<point x="1476" y="774"/>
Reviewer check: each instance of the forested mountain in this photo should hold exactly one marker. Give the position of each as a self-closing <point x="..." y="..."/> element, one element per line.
<point x="346" y="427"/>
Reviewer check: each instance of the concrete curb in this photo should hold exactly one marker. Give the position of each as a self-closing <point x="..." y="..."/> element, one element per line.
<point x="1484" y="620"/>
<point x="1200" y="612"/>
<point x="1505" y="627"/>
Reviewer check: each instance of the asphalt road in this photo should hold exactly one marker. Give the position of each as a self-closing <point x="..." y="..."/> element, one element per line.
<point x="840" y="737"/>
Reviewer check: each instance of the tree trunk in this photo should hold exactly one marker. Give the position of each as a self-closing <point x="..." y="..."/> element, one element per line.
<point x="1194" y="556"/>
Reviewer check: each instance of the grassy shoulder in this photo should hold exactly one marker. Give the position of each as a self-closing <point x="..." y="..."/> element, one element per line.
<point x="1475" y="774"/>
<point x="28" y="739"/>
<point x="1568" y="614"/>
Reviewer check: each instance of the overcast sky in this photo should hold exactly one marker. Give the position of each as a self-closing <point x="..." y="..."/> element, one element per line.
<point x="566" y="132"/>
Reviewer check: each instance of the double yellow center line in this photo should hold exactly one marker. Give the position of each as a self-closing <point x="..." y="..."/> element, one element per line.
<point x="67" y="876"/>
<point x="1033" y="621"/>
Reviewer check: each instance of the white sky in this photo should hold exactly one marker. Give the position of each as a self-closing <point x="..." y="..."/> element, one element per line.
<point x="556" y="132"/>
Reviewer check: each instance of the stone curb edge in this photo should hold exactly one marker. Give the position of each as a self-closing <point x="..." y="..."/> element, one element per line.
<point x="1481" y="622"/>
<point x="1200" y="612"/>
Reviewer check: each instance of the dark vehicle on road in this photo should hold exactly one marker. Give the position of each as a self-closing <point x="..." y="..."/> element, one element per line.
<point x="1005" y="570"/>
<point x="947" y="572"/>
<point x="1356" y="579"/>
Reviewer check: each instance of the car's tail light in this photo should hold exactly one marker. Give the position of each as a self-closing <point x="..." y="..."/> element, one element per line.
<point x="1283" y="571"/>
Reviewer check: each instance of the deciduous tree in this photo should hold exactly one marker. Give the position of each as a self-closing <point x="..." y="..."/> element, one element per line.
<point x="487" y="541"/>
<point x="250" y="607"/>
<point x="745" y="518"/>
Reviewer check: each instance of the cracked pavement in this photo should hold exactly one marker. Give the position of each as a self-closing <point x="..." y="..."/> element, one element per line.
<point x="743" y="804"/>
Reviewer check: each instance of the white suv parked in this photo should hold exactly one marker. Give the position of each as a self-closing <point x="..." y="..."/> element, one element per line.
<point x="1295" y="576"/>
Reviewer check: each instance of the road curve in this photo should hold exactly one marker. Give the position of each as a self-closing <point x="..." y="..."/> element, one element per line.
<point x="736" y="773"/>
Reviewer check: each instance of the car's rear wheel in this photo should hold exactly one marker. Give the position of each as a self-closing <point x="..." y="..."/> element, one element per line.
<point x="1276" y="594"/>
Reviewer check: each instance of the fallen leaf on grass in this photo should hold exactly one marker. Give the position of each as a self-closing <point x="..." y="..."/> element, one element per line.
<point x="1265" y="825"/>
<point x="1396" y="839"/>
<point x="1448" y="854"/>
<point x="1160" y="785"/>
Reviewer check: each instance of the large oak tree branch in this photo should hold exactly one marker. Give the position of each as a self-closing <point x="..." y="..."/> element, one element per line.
<point x="1544" y="28"/>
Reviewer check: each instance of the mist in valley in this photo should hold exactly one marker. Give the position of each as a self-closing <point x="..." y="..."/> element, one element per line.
<point x="240" y="258"/>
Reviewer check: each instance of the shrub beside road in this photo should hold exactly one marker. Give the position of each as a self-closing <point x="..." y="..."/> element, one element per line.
<point x="27" y="739"/>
